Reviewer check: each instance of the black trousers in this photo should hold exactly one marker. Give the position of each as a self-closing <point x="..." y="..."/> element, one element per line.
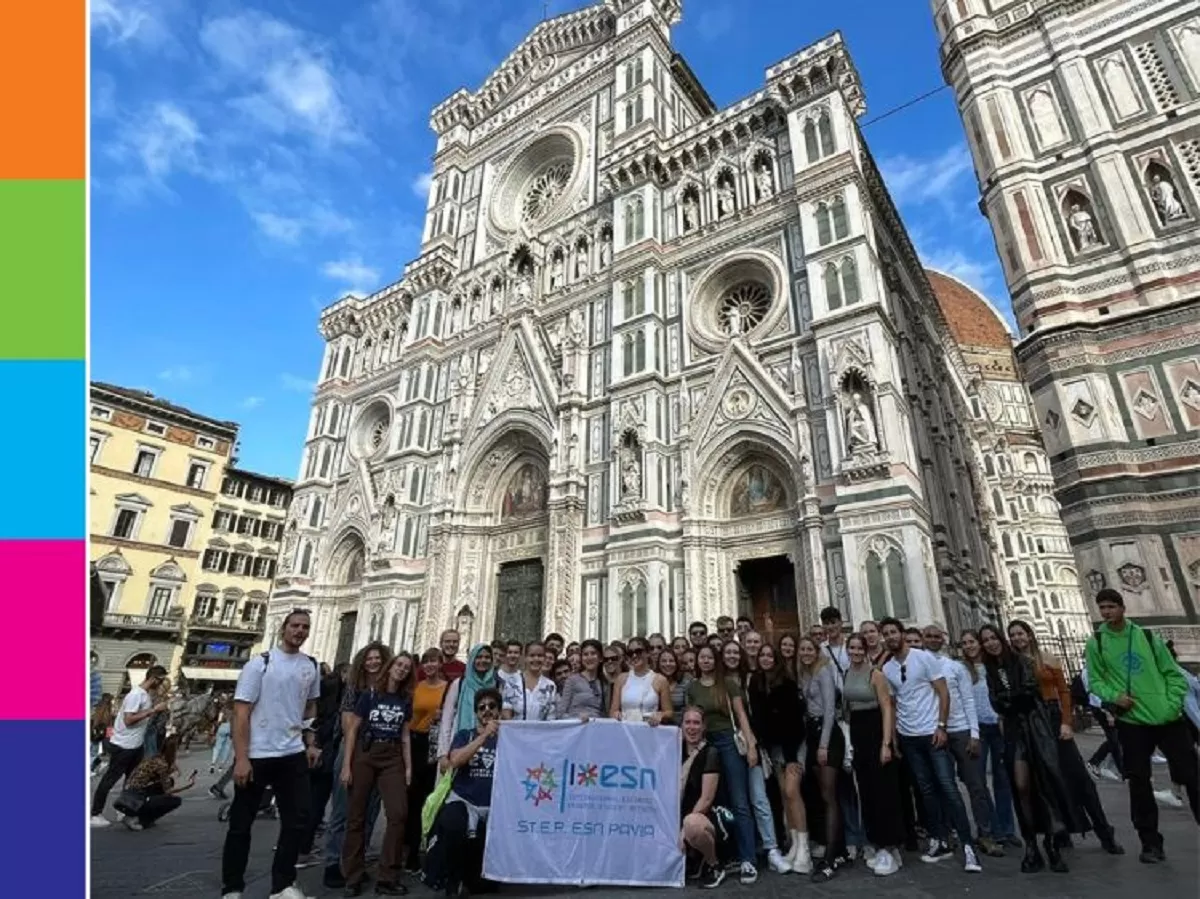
<point x="120" y="764"/>
<point x="288" y="777"/>
<point x="423" y="781"/>
<point x="320" y="784"/>
<point x="1110" y="746"/>
<point x="454" y="858"/>
<point x="1138" y="742"/>
<point x="156" y="806"/>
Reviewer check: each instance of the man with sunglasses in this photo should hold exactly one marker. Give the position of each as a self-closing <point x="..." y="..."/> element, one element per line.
<point x="726" y="628"/>
<point x="698" y="634"/>
<point x="922" y="701"/>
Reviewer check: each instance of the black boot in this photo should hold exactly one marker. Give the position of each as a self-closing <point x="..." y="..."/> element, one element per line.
<point x="1108" y="841"/>
<point x="1033" y="861"/>
<point x="1057" y="865"/>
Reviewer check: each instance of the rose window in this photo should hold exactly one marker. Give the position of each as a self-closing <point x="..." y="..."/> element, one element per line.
<point x="544" y="190"/>
<point x="370" y="432"/>
<point x="743" y="307"/>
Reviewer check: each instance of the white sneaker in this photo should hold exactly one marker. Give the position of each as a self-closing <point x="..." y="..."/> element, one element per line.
<point x="884" y="864"/>
<point x="1168" y="798"/>
<point x="777" y="862"/>
<point x="231" y="896"/>
<point x="748" y="875"/>
<point x="100" y="821"/>
<point x="132" y="823"/>
<point x="292" y="892"/>
<point x="1158" y="758"/>
<point x="802" y="861"/>
<point x="817" y="851"/>
<point x="1108" y="773"/>
<point x="970" y="861"/>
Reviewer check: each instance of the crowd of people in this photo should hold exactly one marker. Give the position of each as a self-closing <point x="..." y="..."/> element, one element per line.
<point x="815" y="751"/>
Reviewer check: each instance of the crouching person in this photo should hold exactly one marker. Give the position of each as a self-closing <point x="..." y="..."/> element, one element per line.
<point x="454" y="857"/>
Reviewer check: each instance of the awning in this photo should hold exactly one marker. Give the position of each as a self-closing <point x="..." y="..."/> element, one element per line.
<point x="210" y="673"/>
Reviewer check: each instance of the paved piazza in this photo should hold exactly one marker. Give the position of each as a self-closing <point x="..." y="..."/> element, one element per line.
<point x="181" y="858"/>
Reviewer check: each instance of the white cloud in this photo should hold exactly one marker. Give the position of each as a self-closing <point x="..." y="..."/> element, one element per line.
<point x="165" y="139"/>
<point x="252" y="402"/>
<point x="421" y="185"/>
<point x="298" y="384"/>
<point x="974" y="273"/>
<point x="128" y="21"/>
<point x="278" y="227"/>
<point x="291" y="79"/>
<point x="352" y="272"/>
<point x="178" y="374"/>
<point x="932" y="179"/>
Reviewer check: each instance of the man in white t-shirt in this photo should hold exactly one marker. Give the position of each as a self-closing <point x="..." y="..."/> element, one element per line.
<point x="128" y="737"/>
<point x="918" y="683"/>
<point x="274" y="746"/>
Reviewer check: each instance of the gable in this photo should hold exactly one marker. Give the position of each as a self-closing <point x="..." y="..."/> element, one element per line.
<point x="518" y="378"/>
<point x="740" y="394"/>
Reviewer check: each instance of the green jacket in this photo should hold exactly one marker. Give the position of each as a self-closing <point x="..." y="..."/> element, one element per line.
<point x="1136" y="662"/>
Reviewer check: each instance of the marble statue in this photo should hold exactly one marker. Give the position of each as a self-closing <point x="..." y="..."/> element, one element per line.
<point x="485" y="361"/>
<point x="558" y="273"/>
<point x="456" y="316"/>
<point x="474" y="310"/>
<point x="524" y="289"/>
<point x="465" y="374"/>
<point x="691" y="213"/>
<point x="860" y="426"/>
<point x="575" y="327"/>
<point x="726" y="200"/>
<point x="764" y="181"/>
<point x="1166" y="200"/>
<point x="1084" y="226"/>
<point x="581" y="262"/>
<point x="797" y="366"/>
<point x="733" y="321"/>
<point x="605" y="250"/>
<point x="631" y="473"/>
<point x="497" y="297"/>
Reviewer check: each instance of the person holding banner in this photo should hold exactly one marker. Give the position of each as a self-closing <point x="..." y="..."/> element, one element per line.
<point x="458" y="710"/>
<point x="725" y="722"/>
<point x="700" y="777"/>
<point x="454" y="856"/>
<point x="641" y="694"/>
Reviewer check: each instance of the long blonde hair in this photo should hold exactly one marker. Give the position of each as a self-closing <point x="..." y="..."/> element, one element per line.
<point x="810" y="671"/>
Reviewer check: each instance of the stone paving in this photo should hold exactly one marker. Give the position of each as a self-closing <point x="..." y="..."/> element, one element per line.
<point x="181" y="859"/>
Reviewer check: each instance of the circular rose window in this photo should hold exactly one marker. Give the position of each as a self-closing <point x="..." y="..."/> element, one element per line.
<point x="540" y="182"/>
<point x="739" y="296"/>
<point x="371" y="429"/>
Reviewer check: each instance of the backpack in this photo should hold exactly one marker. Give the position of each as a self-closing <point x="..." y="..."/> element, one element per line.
<point x="1079" y="693"/>
<point x="266" y="660"/>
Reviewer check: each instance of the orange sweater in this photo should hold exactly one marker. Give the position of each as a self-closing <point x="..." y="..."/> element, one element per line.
<point x="1053" y="686"/>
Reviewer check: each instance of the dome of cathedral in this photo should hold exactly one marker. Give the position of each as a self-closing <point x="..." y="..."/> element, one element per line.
<point x="973" y="320"/>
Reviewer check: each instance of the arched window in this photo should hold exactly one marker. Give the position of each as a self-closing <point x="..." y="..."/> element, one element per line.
<point x="334" y="418"/>
<point x="833" y="287"/>
<point x="998" y="503"/>
<point x="811" y="147"/>
<point x="886" y="585"/>
<point x="1031" y="462"/>
<point x="344" y="369"/>
<point x="824" y="229"/>
<point x="639" y="350"/>
<point x="1046" y="575"/>
<point x="314" y="513"/>
<point x="306" y="558"/>
<point x="1030" y="581"/>
<point x="825" y="133"/>
<point x="841" y="225"/>
<point x="627" y="593"/>
<point x="1055" y="602"/>
<point x="422" y="424"/>
<point x="633" y="297"/>
<point x="989" y="466"/>
<point x="1006" y="542"/>
<point x="325" y="461"/>
<point x="641" y="610"/>
<point x="635" y="220"/>
<point x="850" y="290"/>
<point x="395" y="631"/>
<point x="1014" y="581"/>
<point x="331" y="365"/>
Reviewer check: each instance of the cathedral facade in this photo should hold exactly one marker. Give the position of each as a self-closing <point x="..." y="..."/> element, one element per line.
<point x="656" y="362"/>
<point x="1083" y="118"/>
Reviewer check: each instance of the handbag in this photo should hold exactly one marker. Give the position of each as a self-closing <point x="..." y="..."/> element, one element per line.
<point x="130" y="802"/>
<point x="433" y="805"/>
<point x="739" y="738"/>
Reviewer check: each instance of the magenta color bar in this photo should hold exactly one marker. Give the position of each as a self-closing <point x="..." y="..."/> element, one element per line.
<point x="47" y="628"/>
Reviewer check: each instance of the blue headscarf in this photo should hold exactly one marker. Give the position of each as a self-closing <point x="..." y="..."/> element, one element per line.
<point x="471" y="683"/>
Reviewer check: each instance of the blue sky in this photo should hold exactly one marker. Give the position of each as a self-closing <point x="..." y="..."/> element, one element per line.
<point x="252" y="162"/>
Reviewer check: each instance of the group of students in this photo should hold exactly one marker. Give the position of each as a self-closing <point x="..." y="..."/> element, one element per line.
<point x="821" y="749"/>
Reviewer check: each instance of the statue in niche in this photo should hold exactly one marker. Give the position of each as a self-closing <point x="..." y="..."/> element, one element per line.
<point x="733" y="321"/>
<point x="605" y="249"/>
<point x="575" y="327"/>
<point x="456" y="316"/>
<point x="1083" y="227"/>
<point x="691" y="212"/>
<point x="860" y="426"/>
<point x="581" y="261"/>
<point x="558" y="272"/>
<point x="631" y="472"/>
<point x="465" y="374"/>
<point x="497" y="297"/>
<point x="726" y="199"/>
<point x="1165" y="199"/>
<point x="524" y="289"/>
<point x="764" y="181"/>
<point x="387" y="524"/>
<point x="797" y="368"/>
<point x="473" y="311"/>
<point x="485" y="361"/>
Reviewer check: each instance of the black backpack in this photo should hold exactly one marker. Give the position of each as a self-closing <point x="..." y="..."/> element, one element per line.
<point x="1079" y="693"/>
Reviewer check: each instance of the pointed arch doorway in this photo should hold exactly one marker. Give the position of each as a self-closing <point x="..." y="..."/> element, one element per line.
<point x="767" y="594"/>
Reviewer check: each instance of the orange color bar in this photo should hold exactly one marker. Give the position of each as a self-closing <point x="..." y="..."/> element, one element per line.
<point x="43" y="58"/>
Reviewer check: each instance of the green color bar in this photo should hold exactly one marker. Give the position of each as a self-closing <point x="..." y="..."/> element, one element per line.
<point x="43" y="247"/>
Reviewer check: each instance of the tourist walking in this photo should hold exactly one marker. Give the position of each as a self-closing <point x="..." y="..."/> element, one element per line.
<point x="129" y="737"/>
<point x="1140" y="682"/>
<point x="276" y="694"/>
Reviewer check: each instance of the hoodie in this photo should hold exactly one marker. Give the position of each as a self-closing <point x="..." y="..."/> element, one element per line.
<point x="1135" y="661"/>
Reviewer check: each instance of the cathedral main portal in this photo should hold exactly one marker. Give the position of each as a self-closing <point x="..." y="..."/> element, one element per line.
<point x="519" y="601"/>
<point x="767" y="590"/>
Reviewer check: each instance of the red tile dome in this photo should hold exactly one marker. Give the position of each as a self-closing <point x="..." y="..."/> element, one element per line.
<point x="973" y="320"/>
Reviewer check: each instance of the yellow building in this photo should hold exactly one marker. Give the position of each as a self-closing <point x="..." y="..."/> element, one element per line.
<point x="237" y="567"/>
<point x="155" y="471"/>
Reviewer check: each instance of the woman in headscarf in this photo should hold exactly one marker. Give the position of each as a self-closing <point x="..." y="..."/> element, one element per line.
<point x="458" y="709"/>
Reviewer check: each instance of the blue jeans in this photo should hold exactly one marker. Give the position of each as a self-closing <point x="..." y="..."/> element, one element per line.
<point x="851" y="818"/>
<point x="991" y="745"/>
<point x="222" y="746"/>
<point x="762" y="808"/>
<point x="933" y="770"/>
<point x="335" y="829"/>
<point x="735" y="778"/>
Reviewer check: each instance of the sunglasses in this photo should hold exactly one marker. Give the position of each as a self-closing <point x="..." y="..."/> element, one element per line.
<point x="903" y="673"/>
<point x="637" y="651"/>
<point x="487" y="707"/>
<point x="608" y="659"/>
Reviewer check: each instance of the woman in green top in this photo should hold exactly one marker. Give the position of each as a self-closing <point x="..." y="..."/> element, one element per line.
<point x="720" y="696"/>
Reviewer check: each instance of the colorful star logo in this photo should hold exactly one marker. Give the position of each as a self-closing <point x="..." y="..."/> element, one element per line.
<point x="539" y="784"/>
<point x="587" y="775"/>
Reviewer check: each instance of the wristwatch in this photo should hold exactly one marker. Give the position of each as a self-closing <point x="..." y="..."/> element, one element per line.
<point x="941" y="725"/>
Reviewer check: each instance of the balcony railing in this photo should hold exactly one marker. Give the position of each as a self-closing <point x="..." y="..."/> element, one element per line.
<point x="215" y="622"/>
<point x="169" y="623"/>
